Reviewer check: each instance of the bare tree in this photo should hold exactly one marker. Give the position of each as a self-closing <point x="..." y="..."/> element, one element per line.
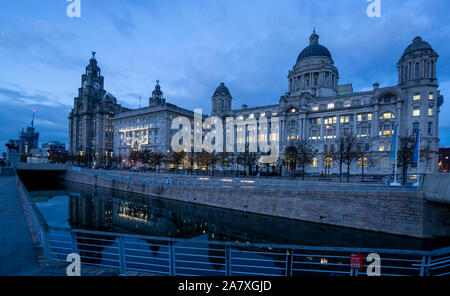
<point x="349" y="153"/>
<point x="214" y="159"/>
<point x="225" y="160"/>
<point x="405" y="155"/>
<point x="291" y="158"/>
<point x="305" y="155"/>
<point x="364" y="158"/>
<point x="247" y="159"/>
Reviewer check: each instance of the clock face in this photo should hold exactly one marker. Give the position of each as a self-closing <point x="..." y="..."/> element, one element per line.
<point x="96" y="85"/>
<point x="84" y="83"/>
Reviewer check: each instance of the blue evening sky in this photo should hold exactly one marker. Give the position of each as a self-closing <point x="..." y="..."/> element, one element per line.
<point x="191" y="46"/>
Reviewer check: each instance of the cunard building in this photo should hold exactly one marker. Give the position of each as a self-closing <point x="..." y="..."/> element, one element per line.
<point x="316" y="108"/>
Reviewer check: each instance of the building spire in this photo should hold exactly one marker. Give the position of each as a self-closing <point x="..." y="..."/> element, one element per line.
<point x="314" y="39"/>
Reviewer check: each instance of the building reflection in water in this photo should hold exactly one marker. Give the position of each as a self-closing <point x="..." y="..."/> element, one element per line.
<point x="109" y="210"/>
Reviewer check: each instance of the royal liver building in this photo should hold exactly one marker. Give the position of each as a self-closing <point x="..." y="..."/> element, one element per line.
<point x="318" y="109"/>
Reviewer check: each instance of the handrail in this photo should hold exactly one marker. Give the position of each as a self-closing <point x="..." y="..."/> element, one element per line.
<point x="255" y="245"/>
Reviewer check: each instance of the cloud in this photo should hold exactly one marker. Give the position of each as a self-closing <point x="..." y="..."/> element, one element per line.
<point x="191" y="46"/>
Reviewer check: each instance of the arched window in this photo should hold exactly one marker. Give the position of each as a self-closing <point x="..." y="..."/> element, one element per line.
<point x="385" y="162"/>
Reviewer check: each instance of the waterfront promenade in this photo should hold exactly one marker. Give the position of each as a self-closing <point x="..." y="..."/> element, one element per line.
<point x="17" y="251"/>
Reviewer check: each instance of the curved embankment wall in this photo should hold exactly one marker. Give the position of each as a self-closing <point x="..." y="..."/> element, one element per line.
<point x="394" y="212"/>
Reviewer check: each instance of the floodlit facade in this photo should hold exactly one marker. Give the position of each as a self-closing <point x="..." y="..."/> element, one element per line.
<point x="316" y="108"/>
<point x="147" y="128"/>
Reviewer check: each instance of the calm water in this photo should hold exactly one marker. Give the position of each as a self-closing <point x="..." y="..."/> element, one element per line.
<point x="79" y="206"/>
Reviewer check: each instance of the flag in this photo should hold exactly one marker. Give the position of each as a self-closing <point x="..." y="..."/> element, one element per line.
<point x="393" y="152"/>
<point x="415" y="157"/>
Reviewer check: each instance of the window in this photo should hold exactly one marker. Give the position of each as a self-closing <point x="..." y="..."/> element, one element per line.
<point x="330" y="106"/>
<point x="416" y="111"/>
<point x="430" y="128"/>
<point x="385" y="163"/>
<point x="314" y="162"/>
<point x="430" y="97"/>
<point x="430" y="111"/>
<point x="387" y="130"/>
<point x="369" y="116"/>
<point x="416" y="98"/>
<point x="387" y="115"/>
<point x="347" y="104"/>
<point x="315" y="108"/>
<point x="381" y="148"/>
<point x="330" y="120"/>
<point x="345" y="119"/>
<point x="359" y="117"/>
<point x="416" y="71"/>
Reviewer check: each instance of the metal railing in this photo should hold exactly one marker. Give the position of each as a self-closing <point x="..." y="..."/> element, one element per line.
<point x="187" y="257"/>
<point x="38" y="227"/>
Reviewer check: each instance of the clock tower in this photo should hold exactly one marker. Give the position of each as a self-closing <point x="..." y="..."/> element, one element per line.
<point x="92" y="82"/>
<point x="90" y="127"/>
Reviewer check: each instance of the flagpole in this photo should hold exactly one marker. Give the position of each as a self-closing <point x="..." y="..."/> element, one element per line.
<point x="395" y="183"/>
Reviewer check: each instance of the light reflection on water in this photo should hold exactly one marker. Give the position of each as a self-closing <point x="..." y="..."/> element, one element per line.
<point x="87" y="207"/>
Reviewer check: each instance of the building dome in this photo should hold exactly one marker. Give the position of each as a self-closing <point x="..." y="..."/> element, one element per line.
<point x="417" y="45"/>
<point x="314" y="49"/>
<point x="221" y="90"/>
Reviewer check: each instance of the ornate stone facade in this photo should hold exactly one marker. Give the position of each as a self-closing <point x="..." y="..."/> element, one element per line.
<point x="90" y="126"/>
<point x="317" y="109"/>
<point x="147" y="128"/>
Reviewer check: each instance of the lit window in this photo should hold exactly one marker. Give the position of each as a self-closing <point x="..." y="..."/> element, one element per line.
<point x="315" y="108"/>
<point x="314" y="162"/>
<point x="416" y="111"/>
<point x="345" y="119"/>
<point x="416" y="97"/>
<point x="369" y="116"/>
<point x="359" y="117"/>
<point x="330" y="106"/>
<point x="381" y="148"/>
<point x="347" y="104"/>
<point x="319" y="120"/>
<point x="430" y="111"/>
<point x="388" y="115"/>
<point x="430" y="97"/>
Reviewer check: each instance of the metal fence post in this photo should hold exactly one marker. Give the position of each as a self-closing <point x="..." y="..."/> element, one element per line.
<point x="74" y="242"/>
<point x="228" y="260"/>
<point x="425" y="266"/>
<point x="171" y="259"/>
<point x="122" y="257"/>
<point x="289" y="262"/>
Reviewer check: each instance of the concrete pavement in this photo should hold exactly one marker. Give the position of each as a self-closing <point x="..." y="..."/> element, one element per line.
<point x="17" y="251"/>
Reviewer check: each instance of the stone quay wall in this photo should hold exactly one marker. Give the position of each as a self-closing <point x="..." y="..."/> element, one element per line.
<point x="392" y="212"/>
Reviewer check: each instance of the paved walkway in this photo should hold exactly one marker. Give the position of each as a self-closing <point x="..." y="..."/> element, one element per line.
<point x="17" y="253"/>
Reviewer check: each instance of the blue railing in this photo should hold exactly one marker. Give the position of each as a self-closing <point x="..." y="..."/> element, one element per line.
<point x="189" y="257"/>
<point x="37" y="225"/>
